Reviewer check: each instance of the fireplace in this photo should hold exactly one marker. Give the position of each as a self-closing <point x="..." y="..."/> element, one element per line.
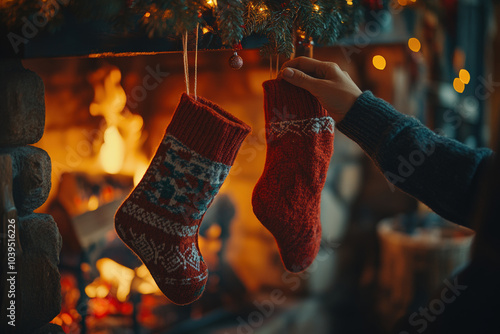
<point x="80" y="134"/>
<point x="104" y="119"/>
<point x="102" y="127"/>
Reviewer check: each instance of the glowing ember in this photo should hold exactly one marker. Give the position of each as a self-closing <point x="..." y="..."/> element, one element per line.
<point x="120" y="277"/>
<point x="146" y="284"/>
<point x="93" y="203"/>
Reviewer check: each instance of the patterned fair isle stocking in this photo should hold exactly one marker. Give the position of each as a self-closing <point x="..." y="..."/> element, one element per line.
<point x="160" y="219"/>
<point x="286" y="199"/>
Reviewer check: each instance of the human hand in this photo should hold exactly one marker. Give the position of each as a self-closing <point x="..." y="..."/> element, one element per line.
<point x="333" y="87"/>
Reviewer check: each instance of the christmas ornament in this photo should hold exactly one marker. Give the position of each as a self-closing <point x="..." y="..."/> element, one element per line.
<point x="235" y="61"/>
<point x="286" y="199"/>
<point x="159" y="220"/>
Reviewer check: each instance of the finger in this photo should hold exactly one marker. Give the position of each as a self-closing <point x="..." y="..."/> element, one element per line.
<point x="301" y="62"/>
<point x="313" y="67"/>
<point x="300" y="79"/>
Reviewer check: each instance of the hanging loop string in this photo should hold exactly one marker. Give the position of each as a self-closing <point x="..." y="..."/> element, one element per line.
<point x="185" y="58"/>
<point x="270" y="66"/>
<point x="277" y="64"/>
<point x="196" y="63"/>
<point x="277" y="70"/>
<point x="186" y="62"/>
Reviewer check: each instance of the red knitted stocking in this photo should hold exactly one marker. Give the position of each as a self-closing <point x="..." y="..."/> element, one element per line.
<point x="160" y="219"/>
<point x="286" y="199"/>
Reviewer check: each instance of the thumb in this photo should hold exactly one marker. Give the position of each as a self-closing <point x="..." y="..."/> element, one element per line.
<point x="300" y="79"/>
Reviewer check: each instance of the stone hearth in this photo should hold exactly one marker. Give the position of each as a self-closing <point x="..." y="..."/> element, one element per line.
<point x="26" y="182"/>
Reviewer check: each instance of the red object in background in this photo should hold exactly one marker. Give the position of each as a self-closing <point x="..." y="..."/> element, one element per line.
<point x="238" y="46"/>
<point x="449" y="3"/>
<point x="235" y="61"/>
<point x="374" y="4"/>
<point x="69" y="318"/>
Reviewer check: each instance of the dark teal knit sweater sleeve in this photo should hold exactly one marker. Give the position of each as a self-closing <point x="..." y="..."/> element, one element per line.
<point x="440" y="172"/>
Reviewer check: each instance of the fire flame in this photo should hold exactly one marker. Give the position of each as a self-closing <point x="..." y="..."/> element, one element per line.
<point x="120" y="151"/>
<point x="112" y="151"/>
<point x="112" y="275"/>
<point x="119" y="280"/>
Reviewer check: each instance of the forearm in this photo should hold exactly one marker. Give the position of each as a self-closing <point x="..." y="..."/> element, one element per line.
<point x="440" y="172"/>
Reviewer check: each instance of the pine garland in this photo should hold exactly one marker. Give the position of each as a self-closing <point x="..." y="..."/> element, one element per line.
<point x="279" y="20"/>
<point x="230" y="18"/>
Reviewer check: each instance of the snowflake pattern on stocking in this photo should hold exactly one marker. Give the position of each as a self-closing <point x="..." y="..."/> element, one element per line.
<point x="302" y="127"/>
<point x="192" y="184"/>
<point x="175" y="259"/>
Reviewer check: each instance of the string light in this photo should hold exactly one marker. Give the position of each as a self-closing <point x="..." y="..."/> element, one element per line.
<point x="211" y="3"/>
<point x="147" y="14"/>
<point x="379" y="62"/>
<point x="316" y="8"/>
<point x="464" y="76"/>
<point x="349" y="2"/>
<point x="263" y="10"/>
<point x="458" y="85"/>
<point x="414" y="44"/>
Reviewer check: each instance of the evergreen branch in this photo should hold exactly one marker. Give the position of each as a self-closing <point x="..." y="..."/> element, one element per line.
<point x="230" y="20"/>
<point x="323" y="20"/>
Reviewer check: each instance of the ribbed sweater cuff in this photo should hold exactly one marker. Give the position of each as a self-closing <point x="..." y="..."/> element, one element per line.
<point x="207" y="129"/>
<point x="286" y="102"/>
<point x="367" y="121"/>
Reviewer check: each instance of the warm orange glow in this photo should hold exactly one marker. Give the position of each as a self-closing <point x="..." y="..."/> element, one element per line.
<point x="147" y="14"/>
<point x="458" y="85"/>
<point x="90" y="291"/>
<point x="112" y="151"/>
<point x="464" y="76"/>
<point x="214" y="231"/>
<point x="414" y="44"/>
<point x="57" y="320"/>
<point x="403" y="2"/>
<point x="66" y="318"/>
<point x="109" y="101"/>
<point x="316" y="8"/>
<point x="212" y="3"/>
<point x="142" y="167"/>
<point x="120" y="151"/>
<point x="379" y="62"/>
<point x="147" y="284"/>
<point x="120" y="277"/>
<point x="93" y="203"/>
<point x="349" y="2"/>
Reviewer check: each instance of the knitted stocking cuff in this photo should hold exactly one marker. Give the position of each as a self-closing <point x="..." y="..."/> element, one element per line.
<point x="286" y="102"/>
<point x="207" y="129"/>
